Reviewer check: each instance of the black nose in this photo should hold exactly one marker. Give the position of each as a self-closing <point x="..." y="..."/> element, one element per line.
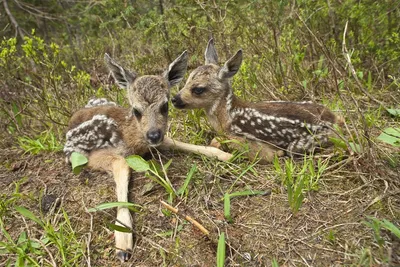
<point x="177" y="102"/>
<point x="154" y="136"/>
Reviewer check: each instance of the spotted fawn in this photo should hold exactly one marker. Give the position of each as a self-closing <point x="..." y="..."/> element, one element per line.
<point x="106" y="133"/>
<point x="269" y="128"/>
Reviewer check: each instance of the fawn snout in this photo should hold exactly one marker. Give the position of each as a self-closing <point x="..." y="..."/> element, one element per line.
<point x="178" y="102"/>
<point x="154" y="137"/>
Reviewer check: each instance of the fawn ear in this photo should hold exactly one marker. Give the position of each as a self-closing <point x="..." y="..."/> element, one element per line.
<point x="211" y="55"/>
<point x="122" y="76"/>
<point x="231" y="67"/>
<point x="177" y="69"/>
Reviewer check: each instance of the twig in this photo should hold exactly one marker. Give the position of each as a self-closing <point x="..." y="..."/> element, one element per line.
<point x="14" y="22"/>
<point x="187" y="217"/>
<point x="351" y="67"/>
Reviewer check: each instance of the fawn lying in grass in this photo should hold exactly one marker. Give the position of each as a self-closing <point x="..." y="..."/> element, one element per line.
<point x="106" y="133"/>
<point x="270" y="128"/>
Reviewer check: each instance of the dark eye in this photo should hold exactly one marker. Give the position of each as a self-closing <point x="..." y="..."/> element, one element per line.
<point x="198" y="90"/>
<point x="137" y="113"/>
<point x="164" y="108"/>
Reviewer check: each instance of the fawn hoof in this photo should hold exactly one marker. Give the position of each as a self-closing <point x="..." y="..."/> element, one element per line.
<point x="123" y="255"/>
<point x="123" y="240"/>
<point x="215" y="143"/>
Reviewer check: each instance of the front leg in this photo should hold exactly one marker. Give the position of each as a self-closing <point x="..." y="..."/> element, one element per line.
<point x="109" y="160"/>
<point x="254" y="149"/>
<point x="207" y="151"/>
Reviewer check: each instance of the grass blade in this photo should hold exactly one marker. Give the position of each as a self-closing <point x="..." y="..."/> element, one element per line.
<point x="28" y="214"/>
<point x="248" y="193"/>
<point x="221" y="250"/>
<point x="119" y="228"/>
<point x="111" y="205"/>
<point x="227" y="208"/>
<point x="189" y="176"/>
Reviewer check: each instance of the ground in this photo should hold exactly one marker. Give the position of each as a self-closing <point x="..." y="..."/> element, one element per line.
<point x="328" y="230"/>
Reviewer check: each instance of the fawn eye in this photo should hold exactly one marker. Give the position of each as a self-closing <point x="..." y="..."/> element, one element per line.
<point x="198" y="90"/>
<point x="164" y="108"/>
<point x="137" y="113"/>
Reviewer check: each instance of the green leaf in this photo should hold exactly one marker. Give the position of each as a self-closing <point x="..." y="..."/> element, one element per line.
<point x="119" y="228"/>
<point x="274" y="263"/>
<point x="394" y="112"/>
<point x="78" y="161"/>
<point x="28" y="214"/>
<point x="137" y="163"/>
<point x="221" y="250"/>
<point x="111" y="205"/>
<point x="391" y="227"/>
<point x="227" y="208"/>
<point x="355" y="147"/>
<point x="390" y="136"/>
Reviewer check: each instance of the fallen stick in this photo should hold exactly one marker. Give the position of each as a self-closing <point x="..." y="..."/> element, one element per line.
<point x="187" y="217"/>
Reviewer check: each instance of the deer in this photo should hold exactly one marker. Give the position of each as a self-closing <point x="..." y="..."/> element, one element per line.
<point x="269" y="128"/>
<point x="106" y="133"/>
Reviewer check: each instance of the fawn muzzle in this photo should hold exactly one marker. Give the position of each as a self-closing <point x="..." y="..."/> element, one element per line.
<point x="154" y="137"/>
<point x="178" y="102"/>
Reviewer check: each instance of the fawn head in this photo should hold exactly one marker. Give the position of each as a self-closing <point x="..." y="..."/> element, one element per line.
<point x="209" y="83"/>
<point x="148" y="96"/>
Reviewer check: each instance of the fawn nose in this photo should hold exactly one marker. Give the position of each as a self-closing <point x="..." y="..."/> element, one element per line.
<point x="154" y="136"/>
<point x="177" y="101"/>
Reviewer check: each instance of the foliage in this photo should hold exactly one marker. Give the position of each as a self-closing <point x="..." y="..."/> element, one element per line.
<point x="390" y="136"/>
<point x="300" y="178"/>
<point x="78" y="161"/>
<point x="44" y="142"/>
<point x="156" y="172"/>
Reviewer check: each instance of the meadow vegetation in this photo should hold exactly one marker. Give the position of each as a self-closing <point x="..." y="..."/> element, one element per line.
<point x="340" y="207"/>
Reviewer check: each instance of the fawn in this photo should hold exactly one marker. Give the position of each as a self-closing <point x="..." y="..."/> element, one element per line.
<point x="106" y="133"/>
<point x="270" y="127"/>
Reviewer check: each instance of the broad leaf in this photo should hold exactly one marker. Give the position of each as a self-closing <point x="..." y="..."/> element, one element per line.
<point x="394" y="112"/>
<point x="137" y="163"/>
<point x="390" y="136"/>
<point x="78" y="161"/>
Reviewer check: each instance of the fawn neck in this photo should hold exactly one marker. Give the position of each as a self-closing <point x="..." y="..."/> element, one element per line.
<point x="219" y="114"/>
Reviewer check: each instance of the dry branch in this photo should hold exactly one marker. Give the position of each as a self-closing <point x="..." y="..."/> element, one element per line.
<point x="187" y="217"/>
<point x="14" y="22"/>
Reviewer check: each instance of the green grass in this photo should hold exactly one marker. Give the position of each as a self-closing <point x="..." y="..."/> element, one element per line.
<point x="44" y="142"/>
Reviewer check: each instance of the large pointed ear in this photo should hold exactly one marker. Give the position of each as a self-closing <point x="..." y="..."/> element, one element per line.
<point x="122" y="76"/>
<point x="211" y="55"/>
<point x="177" y="69"/>
<point x="231" y="67"/>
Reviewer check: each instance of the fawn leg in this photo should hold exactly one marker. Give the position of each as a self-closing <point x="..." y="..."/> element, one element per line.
<point x="109" y="160"/>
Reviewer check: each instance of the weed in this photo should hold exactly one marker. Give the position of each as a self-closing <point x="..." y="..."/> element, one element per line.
<point x="156" y="172"/>
<point x="44" y="142"/>
<point x="299" y="179"/>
